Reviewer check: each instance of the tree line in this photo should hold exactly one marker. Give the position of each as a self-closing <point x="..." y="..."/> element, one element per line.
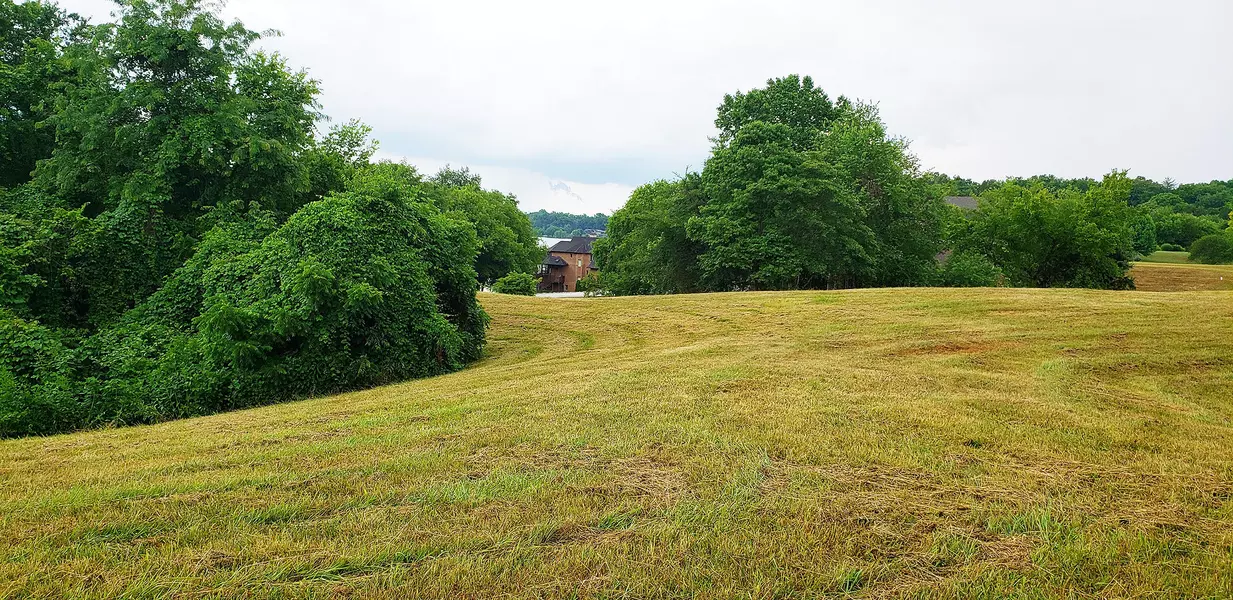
<point x="1166" y="214"/>
<point x="802" y="191"/>
<point x="179" y="235"/>
<point x="563" y="225"/>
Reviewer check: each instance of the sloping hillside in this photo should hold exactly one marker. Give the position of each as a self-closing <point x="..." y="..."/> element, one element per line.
<point x="875" y="442"/>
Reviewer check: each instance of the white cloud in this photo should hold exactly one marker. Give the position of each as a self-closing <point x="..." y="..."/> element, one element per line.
<point x="623" y="93"/>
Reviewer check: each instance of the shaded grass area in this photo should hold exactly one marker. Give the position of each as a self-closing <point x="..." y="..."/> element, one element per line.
<point x="1168" y="257"/>
<point x="1162" y="277"/>
<point x="873" y="443"/>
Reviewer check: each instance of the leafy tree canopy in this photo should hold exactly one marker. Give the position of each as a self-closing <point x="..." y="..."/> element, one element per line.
<point x="34" y="37"/>
<point x="799" y="192"/>
<point x="508" y="243"/>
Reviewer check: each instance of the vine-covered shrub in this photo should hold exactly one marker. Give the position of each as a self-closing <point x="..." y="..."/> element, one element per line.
<point x="359" y="289"/>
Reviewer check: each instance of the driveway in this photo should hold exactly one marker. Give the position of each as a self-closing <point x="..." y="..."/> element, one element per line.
<point x="562" y="295"/>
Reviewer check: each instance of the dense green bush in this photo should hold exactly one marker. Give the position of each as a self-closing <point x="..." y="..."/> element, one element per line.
<point x="1183" y="229"/>
<point x="519" y="284"/>
<point x="1167" y="247"/>
<point x="969" y="270"/>
<point x="1038" y="238"/>
<point x="1214" y="249"/>
<point x="355" y="290"/>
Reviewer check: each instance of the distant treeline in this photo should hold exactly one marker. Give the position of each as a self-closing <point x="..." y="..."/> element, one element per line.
<point x="801" y="191"/>
<point x="1179" y="214"/>
<point x="561" y="225"/>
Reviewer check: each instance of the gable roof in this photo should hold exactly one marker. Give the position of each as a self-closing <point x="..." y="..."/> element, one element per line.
<point x="967" y="202"/>
<point x="554" y="261"/>
<point x="578" y="245"/>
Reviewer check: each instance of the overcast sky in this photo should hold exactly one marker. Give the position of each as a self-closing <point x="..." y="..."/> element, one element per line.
<point x="570" y="105"/>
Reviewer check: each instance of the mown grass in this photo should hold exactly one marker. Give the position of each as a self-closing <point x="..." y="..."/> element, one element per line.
<point x="1168" y="257"/>
<point x="868" y="443"/>
<point x="1163" y="277"/>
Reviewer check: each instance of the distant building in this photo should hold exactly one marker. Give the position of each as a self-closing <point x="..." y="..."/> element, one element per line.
<point x="566" y="263"/>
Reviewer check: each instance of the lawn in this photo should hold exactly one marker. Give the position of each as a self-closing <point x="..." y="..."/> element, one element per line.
<point x="1164" y="277"/>
<point x="918" y="443"/>
<point x="1165" y="256"/>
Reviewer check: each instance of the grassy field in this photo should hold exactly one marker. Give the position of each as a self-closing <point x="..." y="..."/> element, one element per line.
<point x="874" y="443"/>
<point x="1166" y="277"/>
<point x="1165" y="256"/>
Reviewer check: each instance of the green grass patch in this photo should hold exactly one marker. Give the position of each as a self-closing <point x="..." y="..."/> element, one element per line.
<point x="1165" y="256"/>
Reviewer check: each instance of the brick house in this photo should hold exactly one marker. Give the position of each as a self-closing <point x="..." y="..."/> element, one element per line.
<point x="566" y="263"/>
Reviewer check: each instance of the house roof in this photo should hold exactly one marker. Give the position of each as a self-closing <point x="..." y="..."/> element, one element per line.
<point x="554" y="261"/>
<point x="967" y="202"/>
<point x="578" y="245"/>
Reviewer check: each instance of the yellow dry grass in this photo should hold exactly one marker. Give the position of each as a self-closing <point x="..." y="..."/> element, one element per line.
<point x="1186" y="277"/>
<point x="875" y="443"/>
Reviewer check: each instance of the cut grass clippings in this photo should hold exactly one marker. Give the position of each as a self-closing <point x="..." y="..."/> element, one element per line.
<point x="870" y="443"/>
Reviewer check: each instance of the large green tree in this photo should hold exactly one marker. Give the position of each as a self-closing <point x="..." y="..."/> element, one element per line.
<point x="508" y="243"/>
<point x="778" y="218"/>
<point x="171" y="125"/>
<point x="33" y="39"/>
<point x="793" y="101"/>
<point x="799" y="192"/>
<point x="190" y="243"/>
<point x="647" y="249"/>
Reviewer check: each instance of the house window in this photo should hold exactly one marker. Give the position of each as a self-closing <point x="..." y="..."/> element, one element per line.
<point x="580" y="263"/>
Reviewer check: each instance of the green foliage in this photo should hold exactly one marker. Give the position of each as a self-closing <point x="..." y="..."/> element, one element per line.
<point x="895" y="203"/>
<point x="1143" y="231"/>
<point x="793" y="102"/>
<point x="1167" y="247"/>
<point x="647" y="249"/>
<point x="1042" y="239"/>
<point x="190" y="245"/>
<point x="1215" y="249"/>
<point x="519" y="284"/>
<point x="1182" y="229"/>
<point x="169" y="124"/>
<point x="799" y="192"/>
<point x="778" y="218"/>
<point x="33" y="39"/>
<point x="337" y="157"/>
<point x="968" y="269"/>
<point x="590" y="284"/>
<point x="356" y="290"/>
<point x="508" y="243"/>
<point x="563" y="225"/>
